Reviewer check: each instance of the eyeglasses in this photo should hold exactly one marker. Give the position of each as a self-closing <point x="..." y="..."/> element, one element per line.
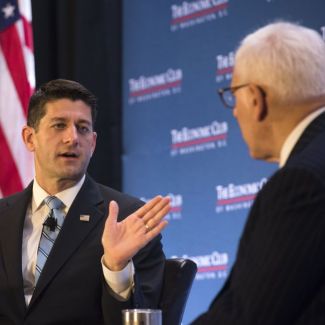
<point x="229" y="99"/>
<point x="227" y="95"/>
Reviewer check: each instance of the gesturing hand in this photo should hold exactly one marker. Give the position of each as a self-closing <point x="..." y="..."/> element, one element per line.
<point x="122" y="240"/>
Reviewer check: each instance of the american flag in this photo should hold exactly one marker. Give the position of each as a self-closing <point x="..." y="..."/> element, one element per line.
<point x="17" y="82"/>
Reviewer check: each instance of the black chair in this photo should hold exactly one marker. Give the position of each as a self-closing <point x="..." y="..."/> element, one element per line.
<point x="178" y="278"/>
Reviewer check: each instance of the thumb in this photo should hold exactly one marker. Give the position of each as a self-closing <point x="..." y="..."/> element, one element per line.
<point x="113" y="213"/>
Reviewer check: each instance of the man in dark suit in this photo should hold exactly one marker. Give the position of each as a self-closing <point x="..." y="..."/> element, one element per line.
<point x="96" y="265"/>
<point x="278" y="97"/>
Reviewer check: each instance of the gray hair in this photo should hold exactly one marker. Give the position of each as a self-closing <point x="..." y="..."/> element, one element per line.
<point x="287" y="58"/>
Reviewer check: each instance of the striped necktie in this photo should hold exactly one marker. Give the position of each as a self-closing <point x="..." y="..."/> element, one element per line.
<point x="51" y="229"/>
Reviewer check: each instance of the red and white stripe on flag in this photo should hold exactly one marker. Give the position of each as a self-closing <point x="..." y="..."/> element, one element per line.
<point x="17" y="82"/>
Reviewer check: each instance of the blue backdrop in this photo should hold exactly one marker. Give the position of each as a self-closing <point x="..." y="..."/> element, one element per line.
<point x="178" y="137"/>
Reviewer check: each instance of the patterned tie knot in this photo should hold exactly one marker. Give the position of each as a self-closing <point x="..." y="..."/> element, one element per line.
<point x="53" y="202"/>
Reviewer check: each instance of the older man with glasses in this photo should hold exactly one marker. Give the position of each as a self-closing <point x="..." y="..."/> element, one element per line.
<point x="278" y="98"/>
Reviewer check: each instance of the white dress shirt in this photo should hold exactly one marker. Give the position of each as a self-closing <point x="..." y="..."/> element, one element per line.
<point x="295" y="134"/>
<point x="120" y="282"/>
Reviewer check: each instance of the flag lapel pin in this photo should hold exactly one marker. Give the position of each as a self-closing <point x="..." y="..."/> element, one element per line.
<point x="85" y="217"/>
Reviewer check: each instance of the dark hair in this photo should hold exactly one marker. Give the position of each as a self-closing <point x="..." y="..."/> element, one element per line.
<point x="54" y="90"/>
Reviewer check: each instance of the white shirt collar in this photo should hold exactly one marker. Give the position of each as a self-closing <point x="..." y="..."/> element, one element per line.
<point x="295" y="134"/>
<point x="67" y="196"/>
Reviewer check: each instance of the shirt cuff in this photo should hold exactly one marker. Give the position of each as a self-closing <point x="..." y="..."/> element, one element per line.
<point x="121" y="282"/>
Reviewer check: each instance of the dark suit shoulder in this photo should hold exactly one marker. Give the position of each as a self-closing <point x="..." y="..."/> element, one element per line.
<point x="296" y="179"/>
<point x="127" y="203"/>
<point x="116" y="195"/>
<point x="292" y="192"/>
<point x="311" y="158"/>
<point x="13" y="199"/>
<point x="106" y="190"/>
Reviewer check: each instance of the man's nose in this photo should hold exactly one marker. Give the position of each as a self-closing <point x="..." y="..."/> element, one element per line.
<point x="71" y="135"/>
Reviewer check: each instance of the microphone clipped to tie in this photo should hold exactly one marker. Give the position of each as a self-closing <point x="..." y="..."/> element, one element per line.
<point x="51" y="223"/>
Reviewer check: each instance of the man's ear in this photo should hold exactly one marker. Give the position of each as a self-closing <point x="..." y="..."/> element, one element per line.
<point x="260" y="109"/>
<point x="94" y="141"/>
<point x="28" y="134"/>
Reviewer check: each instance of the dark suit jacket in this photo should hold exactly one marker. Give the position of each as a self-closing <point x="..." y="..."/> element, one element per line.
<point x="71" y="288"/>
<point x="279" y="274"/>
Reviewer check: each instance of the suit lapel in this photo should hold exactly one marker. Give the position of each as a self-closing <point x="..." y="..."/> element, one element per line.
<point x="88" y="202"/>
<point x="313" y="129"/>
<point x="11" y="231"/>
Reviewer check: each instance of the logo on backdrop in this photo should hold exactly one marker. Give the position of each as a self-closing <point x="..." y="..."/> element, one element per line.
<point x="189" y="14"/>
<point x="225" y="65"/>
<point x="176" y="206"/>
<point x="202" y="138"/>
<point x="322" y="29"/>
<point x="148" y="88"/>
<point x="237" y="197"/>
<point x="211" y="266"/>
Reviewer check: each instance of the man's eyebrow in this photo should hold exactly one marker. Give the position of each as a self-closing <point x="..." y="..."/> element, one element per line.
<point x="84" y="121"/>
<point x="63" y="119"/>
<point x="58" y="119"/>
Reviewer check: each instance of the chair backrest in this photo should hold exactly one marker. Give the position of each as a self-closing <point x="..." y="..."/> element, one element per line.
<point x="178" y="278"/>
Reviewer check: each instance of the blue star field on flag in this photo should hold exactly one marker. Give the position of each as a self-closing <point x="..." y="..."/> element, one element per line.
<point x="9" y="13"/>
